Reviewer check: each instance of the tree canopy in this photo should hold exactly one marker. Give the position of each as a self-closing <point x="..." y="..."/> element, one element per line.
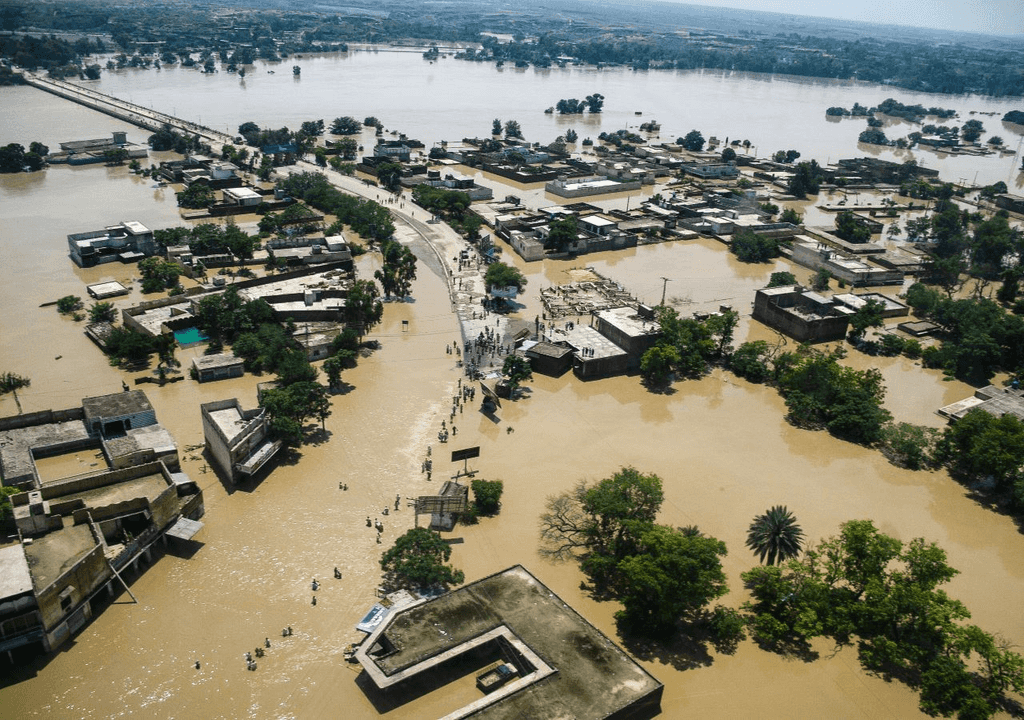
<point x="417" y="560"/>
<point x="868" y="588"/>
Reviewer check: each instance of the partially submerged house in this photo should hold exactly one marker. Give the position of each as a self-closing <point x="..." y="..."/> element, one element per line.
<point x="100" y="486"/>
<point x="238" y="441"/>
<point x="556" y="664"/>
<point x="127" y="241"/>
<point x="801" y="314"/>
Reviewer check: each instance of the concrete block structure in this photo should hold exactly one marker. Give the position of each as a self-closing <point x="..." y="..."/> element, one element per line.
<point x="238" y="441"/>
<point x="558" y="664"/>
<point x="79" y="530"/>
<point x="801" y="314"/>
<point x="126" y="241"/>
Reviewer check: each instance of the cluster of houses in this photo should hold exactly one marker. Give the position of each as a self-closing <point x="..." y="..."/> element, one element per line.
<point x="98" y="487"/>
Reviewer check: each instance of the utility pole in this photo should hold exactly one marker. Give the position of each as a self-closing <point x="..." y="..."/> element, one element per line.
<point x="664" y="287"/>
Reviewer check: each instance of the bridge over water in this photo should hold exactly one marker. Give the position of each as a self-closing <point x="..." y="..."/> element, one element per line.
<point x="143" y="117"/>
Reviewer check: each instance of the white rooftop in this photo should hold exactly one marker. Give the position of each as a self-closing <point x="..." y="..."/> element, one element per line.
<point x="14" y="576"/>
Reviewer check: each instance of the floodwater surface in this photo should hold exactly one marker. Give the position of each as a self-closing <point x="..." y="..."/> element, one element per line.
<point x="720" y="444"/>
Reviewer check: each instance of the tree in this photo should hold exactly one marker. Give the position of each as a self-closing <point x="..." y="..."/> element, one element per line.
<point x="313" y="128"/>
<point x="12" y="158"/>
<point x="362" y="308"/>
<point x="781" y="279"/>
<point x="196" y="195"/>
<point x="487" y="495"/>
<point x="595" y="102"/>
<point x="865" y="586"/>
<point x="496" y="127"/>
<point x="11" y="383"/>
<point x="417" y="560"/>
<point x="158" y="274"/>
<point x="673" y="576"/>
<point x="867" y="315"/>
<point x="656" y="364"/>
<point x="751" y="361"/>
<point x="398" y="269"/>
<point x="501" y="275"/>
<point x="6" y="507"/>
<point x="345" y="126"/>
<point x="806" y="179"/>
<point x="728" y="155"/>
<point x="332" y="368"/>
<point x="601" y="524"/>
<point x="791" y="216"/>
<point x="512" y="129"/>
<point x="69" y="304"/>
<point x="775" y="536"/>
<point x="571" y="136"/>
<point x="981" y="446"/>
<point x="516" y="370"/>
<point x="750" y="247"/>
<point x="693" y="141"/>
<point x="821" y="393"/>
<point x="389" y="174"/>
<point x="562" y="233"/>
<point x="848" y="227"/>
<point x="129" y="345"/>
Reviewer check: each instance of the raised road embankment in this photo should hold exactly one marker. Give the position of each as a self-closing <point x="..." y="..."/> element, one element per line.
<point x="123" y="110"/>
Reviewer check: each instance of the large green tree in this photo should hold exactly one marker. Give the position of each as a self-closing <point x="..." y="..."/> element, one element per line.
<point x="398" y="269"/>
<point x="418" y="560"/>
<point x="501" y="275"/>
<point x="363" y="309"/>
<point x="672" y="576"/>
<point x="868" y="588"/>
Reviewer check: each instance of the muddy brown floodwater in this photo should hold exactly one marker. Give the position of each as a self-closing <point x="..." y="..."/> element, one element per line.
<point x="721" y="445"/>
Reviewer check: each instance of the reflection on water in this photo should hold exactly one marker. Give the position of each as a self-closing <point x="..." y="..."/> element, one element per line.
<point x="721" y="445"/>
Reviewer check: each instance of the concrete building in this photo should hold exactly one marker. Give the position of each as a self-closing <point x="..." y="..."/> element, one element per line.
<point x="547" y="358"/>
<point x="573" y="187"/>
<point x="237" y="441"/>
<point x="711" y="171"/>
<point x="126" y="241"/>
<point x="801" y="314"/>
<point x="1007" y="201"/>
<point x="891" y="308"/>
<point x="633" y="328"/>
<point x="994" y="400"/>
<point x="80" y="526"/>
<point x="857" y="273"/>
<point x="558" y="664"/>
<point x="218" y="366"/>
<point x="243" y="197"/>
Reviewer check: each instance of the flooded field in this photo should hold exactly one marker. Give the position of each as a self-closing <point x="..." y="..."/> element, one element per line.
<point x="720" y="444"/>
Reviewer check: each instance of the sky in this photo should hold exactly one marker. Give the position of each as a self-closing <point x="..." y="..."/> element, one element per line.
<point x="998" y="17"/>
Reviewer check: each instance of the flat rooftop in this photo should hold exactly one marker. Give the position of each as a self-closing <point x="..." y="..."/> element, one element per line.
<point x="16" y="445"/>
<point x="567" y="667"/>
<point x="208" y="362"/>
<point x="582" y="337"/>
<point x="229" y="421"/>
<point x="14" y="576"/>
<point x="55" y="552"/>
<point x="629" y="321"/>
<point x="116" y="405"/>
<point x="106" y="289"/>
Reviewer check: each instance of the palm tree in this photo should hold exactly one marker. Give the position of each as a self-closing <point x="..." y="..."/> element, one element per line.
<point x="775" y="535"/>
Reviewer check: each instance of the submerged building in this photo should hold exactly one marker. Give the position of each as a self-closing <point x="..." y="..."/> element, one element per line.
<point x="100" y="486"/>
<point x="238" y="441"/>
<point x="505" y="647"/>
<point x="126" y="242"/>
